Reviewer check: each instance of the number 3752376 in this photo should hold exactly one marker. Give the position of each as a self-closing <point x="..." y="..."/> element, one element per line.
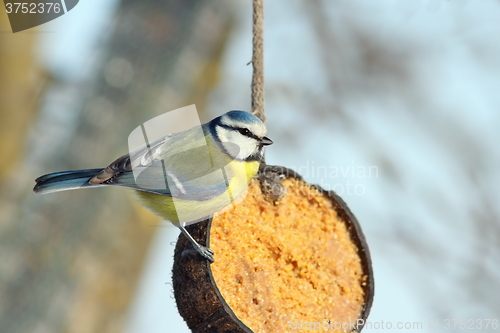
<point x="470" y="324"/>
<point x="32" y="8"/>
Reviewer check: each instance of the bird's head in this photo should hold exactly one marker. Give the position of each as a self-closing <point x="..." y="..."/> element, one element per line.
<point x="242" y="134"/>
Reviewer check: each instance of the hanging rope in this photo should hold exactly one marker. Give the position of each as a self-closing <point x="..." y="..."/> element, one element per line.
<point x="270" y="181"/>
<point x="258" y="60"/>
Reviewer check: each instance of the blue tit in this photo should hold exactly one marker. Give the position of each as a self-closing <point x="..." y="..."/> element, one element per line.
<point x="183" y="177"/>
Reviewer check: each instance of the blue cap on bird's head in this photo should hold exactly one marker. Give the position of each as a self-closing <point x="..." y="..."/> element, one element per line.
<point x="242" y="116"/>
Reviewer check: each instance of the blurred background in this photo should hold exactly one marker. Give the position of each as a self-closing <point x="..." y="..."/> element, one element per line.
<point x="392" y="104"/>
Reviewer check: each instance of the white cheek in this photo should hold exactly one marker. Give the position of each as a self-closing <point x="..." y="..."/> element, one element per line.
<point x="247" y="147"/>
<point x="244" y="145"/>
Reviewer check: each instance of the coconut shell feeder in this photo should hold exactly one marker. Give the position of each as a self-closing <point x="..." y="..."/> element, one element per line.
<point x="278" y="263"/>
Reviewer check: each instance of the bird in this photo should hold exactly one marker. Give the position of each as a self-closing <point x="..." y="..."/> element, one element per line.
<point x="183" y="177"/>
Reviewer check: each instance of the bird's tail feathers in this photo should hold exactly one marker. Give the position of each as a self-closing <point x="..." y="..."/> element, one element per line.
<point x="65" y="180"/>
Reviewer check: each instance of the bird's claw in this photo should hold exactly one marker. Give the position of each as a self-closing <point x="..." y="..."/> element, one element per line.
<point x="204" y="251"/>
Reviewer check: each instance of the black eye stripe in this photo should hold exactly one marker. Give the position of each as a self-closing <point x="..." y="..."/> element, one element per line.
<point x="243" y="131"/>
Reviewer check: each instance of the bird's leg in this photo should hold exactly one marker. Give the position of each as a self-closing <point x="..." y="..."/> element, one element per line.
<point x="203" y="250"/>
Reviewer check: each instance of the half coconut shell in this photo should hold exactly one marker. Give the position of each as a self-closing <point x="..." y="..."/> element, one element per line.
<point x="298" y="261"/>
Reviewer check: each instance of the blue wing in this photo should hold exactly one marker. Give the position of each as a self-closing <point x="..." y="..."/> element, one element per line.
<point x="183" y="165"/>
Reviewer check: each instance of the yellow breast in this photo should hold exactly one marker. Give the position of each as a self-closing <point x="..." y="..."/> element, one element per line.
<point x="181" y="211"/>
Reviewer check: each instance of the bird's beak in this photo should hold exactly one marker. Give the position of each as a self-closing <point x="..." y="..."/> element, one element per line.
<point x="265" y="141"/>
